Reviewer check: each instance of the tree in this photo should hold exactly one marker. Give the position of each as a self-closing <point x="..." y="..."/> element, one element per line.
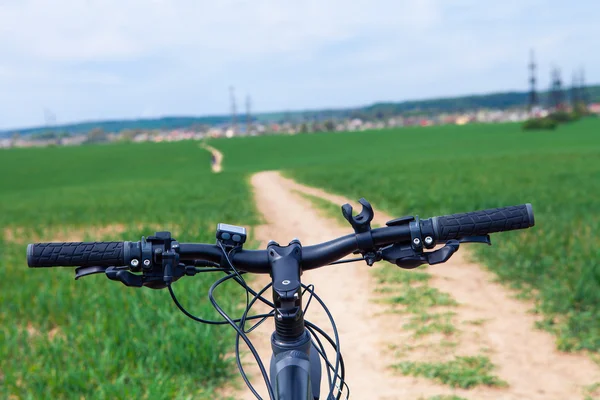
<point x="580" y="109"/>
<point x="97" y="135"/>
<point x="329" y="125"/>
<point x="127" y="135"/>
<point x="45" y="135"/>
<point x="198" y="127"/>
<point x="15" y="138"/>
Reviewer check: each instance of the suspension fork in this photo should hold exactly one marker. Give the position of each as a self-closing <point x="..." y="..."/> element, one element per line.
<point x="295" y="369"/>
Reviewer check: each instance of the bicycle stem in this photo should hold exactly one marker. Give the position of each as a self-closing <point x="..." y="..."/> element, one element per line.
<point x="287" y="289"/>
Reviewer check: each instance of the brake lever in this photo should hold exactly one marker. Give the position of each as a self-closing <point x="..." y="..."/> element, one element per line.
<point x="125" y="277"/>
<point x="80" y="272"/>
<point x="406" y="257"/>
<point x="442" y="255"/>
<point x="112" y="273"/>
<point x="476" y="239"/>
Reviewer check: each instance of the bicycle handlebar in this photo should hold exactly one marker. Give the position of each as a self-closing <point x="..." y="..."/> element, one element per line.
<point x="71" y="254"/>
<point x="483" y="222"/>
<point x="441" y="229"/>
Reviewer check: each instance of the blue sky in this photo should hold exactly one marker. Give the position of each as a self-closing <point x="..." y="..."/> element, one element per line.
<point x="105" y="59"/>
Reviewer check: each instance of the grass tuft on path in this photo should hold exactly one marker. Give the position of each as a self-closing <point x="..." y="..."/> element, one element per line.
<point x="462" y="372"/>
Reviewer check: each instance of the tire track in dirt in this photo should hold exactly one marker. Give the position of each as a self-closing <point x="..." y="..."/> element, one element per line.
<point x="526" y="358"/>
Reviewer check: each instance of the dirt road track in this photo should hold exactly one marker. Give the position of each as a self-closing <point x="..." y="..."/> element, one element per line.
<point x="218" y="158"/>
<point x="526" y="358"/>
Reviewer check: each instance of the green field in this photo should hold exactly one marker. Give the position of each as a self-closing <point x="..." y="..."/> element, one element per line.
<point x="98" y="339"/>
<point x="448" y="169"/>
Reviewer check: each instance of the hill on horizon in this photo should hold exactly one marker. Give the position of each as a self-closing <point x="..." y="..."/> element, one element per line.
<point x="498" y="100"/>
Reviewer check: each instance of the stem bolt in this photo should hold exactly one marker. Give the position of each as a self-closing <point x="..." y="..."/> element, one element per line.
<point x="147" y="263"/>
<point x="135" y="262"/>
<point x="428" y="240"/>
<point x="416" y="241"/>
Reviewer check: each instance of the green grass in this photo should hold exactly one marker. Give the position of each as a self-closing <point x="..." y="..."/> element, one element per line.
<point x="407" y="291"/>
<point x="428" y="323"/>
<point x="112" y="341"/>
<point x="592" y="392"/>
<point x="421" y="297"/>
<point x="327" y="209"/>
<point x="476" y="322"/>
<point x="448" y="169"/>
<point x="462" y="372"/>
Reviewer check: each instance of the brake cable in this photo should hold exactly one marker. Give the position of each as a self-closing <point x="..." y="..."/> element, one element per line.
<point x="241" y="332"/>
<point x="337" y="339"/>
<point x="314" y="330"/>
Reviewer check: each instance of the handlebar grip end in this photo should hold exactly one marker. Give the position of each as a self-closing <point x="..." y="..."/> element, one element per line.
<point x="30" y="255"/>
<point x="530" y="214"/>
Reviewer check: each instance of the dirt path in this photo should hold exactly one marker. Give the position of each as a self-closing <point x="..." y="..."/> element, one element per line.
<point x="526" y="358"/>
<point x="216" y="166"/>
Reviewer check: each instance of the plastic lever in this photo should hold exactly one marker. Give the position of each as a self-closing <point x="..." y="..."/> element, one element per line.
<point x="406" y="257"/>
<point x="476" y="239"/>
<point x="126" y="277"/>
<point x="442" y="255"/>
<point x="80" y="272"/>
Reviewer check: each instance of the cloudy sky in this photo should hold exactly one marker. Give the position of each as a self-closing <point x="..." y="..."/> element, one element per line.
<point x="100" y="59"/>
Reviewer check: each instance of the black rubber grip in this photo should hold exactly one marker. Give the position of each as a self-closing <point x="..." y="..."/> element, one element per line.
<point x="84" y="254"/>
<point x="479" y="223"/>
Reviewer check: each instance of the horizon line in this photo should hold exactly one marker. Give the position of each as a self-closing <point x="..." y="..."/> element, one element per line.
<point x="226" y="115"/>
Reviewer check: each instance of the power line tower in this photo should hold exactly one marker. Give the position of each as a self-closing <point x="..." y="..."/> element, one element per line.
<point x="556" y="90"/>
<point x="575" y="90"/>
<point x="583" y="93"/>
<point x="533" y="99"/>
<point x="248" y="115"/>
<point x="233" y="110"/>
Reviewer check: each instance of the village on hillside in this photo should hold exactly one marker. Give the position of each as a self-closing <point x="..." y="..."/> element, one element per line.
<point x="283" y="127"/>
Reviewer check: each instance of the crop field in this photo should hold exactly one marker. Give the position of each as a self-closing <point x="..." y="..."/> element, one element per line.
<point x="448" y="169"/>
<point x="96" y="338"/>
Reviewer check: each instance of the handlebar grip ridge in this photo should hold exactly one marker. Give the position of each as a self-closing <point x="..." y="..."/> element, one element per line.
<point x="483" y="222"/>
<point x="75" y="254"/>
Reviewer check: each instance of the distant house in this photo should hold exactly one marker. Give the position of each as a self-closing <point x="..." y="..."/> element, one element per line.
<point x="594" y="108"/>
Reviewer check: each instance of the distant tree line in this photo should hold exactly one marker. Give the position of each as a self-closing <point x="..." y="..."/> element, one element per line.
<point x="561" y="116"/>
<point x="375" y="112"/>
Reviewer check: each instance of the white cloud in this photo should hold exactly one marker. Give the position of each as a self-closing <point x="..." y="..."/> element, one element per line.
<point x="78" y="54"/>
<point x="114" y="29"/>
